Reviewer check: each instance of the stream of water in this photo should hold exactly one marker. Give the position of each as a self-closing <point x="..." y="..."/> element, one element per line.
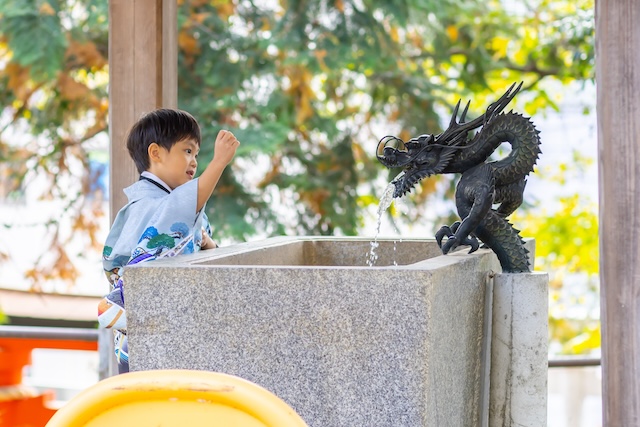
<point x="385" y="202"/>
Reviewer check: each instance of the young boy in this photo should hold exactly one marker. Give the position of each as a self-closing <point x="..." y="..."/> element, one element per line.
<point x="164" y="216"/>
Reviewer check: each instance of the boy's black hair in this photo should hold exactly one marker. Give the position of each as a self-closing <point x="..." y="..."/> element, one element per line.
<point x="165" y="127"/>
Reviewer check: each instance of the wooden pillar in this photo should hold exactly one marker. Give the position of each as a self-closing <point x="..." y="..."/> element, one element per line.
<point x="143" y="70"/>
<point x="143" y="76"/>
<point x="618" y="108"/>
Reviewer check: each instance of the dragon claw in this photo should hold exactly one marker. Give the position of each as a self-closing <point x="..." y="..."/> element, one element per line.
<point x="451" y="244"/>
<point x="445" y="230"/>
<point x="454" y="241"/>
<point x="473" y="242"/>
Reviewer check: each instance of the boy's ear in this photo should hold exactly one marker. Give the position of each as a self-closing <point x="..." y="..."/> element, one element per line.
<point x="154" y="152"/>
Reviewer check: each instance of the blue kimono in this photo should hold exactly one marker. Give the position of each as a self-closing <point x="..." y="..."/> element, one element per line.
<point x="155" y="223"/>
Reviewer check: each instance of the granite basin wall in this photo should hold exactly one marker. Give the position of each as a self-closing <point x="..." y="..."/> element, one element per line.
<point x="343" y="343"/>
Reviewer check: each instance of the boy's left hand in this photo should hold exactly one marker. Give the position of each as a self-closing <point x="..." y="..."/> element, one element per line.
<point x="207" y="242"/>
<point x="225" y="147"/>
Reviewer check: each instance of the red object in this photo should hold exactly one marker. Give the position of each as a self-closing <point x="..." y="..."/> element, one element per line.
<point x="19" y="407"/>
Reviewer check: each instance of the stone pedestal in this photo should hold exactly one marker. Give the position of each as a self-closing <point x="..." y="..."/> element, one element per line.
<point x="519" y="348"/>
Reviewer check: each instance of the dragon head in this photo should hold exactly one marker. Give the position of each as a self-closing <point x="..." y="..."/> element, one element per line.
<point x="419" y="158"/>
<point x="428" y="155"/>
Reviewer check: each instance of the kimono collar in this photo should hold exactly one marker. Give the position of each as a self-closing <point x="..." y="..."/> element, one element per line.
<point x="143" y="188"/>
<point x="148" y="176"/>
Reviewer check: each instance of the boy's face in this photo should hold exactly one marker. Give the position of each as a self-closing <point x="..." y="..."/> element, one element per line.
<point x="178" y="165"/>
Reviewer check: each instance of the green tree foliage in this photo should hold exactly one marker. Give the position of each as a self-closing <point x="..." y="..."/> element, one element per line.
<point x="309" y="87"/>
<point x="53" y="93"/>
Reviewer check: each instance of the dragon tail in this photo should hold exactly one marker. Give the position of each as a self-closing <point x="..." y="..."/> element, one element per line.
<point x="499" y="235"/>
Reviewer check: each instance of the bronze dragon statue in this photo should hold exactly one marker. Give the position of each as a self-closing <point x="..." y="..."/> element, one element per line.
<point x="483" y="183"/>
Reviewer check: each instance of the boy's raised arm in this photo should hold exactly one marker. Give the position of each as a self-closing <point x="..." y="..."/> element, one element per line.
<point x="224" y="150"/>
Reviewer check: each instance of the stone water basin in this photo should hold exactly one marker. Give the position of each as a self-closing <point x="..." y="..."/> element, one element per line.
<point x="343" y="343"/>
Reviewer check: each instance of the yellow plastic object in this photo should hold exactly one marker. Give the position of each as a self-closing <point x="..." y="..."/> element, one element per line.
<point x="177" y="398"/>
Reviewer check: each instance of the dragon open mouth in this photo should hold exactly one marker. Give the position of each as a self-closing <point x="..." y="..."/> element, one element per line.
<point x="407" y="180"/>
<point x="394" y="153"/>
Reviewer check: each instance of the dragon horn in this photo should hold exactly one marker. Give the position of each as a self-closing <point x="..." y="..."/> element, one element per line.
<point x="451" y="134"/>
<point x="502" y="102"/>
<point x="464" y="113"/>
<point x="453" y="116"/>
